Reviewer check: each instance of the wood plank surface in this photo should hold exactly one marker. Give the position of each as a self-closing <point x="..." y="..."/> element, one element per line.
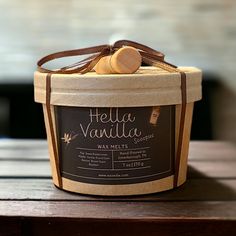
<point x="212" y="151"/>
<point x="25" y="168"/>
<point x="192" y="190"/>
<point x="126" y="210"/>
<point x="30" y="159"/>
<point x="37" y="149"/>
<point x="26" y="190"/>
<point x="23" y="149"/>
<point x="41" y="168"/>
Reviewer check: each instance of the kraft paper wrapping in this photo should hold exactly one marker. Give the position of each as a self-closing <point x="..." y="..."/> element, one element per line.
<point x="150" y="86"/>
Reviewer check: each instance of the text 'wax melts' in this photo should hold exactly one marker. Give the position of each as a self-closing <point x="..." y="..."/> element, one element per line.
<point x="122" y="130"/>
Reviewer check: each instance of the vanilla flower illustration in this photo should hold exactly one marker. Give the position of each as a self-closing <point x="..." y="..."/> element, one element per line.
<point x="68" y="137"/>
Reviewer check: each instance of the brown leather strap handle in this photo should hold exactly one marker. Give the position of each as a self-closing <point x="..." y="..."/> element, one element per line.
<point x="149" y="55"/>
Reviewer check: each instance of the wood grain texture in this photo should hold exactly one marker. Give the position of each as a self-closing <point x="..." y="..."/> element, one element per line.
<point x="126" y="60"/>
<point x="33" y="161"/>
<point x="202" y="151"/>
<point x="198" y="151"/>
<point x="25" y="168"/>
<point x="152" y="211"/>
<point x="192" y="190"/>
<point x="31" y="205"/>
<point x="41" y="168"/>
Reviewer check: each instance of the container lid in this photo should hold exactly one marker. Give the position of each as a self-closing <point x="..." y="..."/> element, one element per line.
<point x="149" y="86"/>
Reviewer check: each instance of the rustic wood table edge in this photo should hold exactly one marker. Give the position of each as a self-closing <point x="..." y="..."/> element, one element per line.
<point x="31" y="205"/>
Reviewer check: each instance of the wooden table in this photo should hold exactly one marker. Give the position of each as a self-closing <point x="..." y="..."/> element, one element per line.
<point x="31" y="205"/>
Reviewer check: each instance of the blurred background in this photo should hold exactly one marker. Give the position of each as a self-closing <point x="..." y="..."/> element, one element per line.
<point x="198" y="33"/>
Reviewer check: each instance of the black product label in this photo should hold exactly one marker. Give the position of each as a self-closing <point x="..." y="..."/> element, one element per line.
<point x="116" y="145"/>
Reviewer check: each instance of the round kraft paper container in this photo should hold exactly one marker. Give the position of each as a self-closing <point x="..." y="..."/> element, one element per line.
<point x="117" y="134"/>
